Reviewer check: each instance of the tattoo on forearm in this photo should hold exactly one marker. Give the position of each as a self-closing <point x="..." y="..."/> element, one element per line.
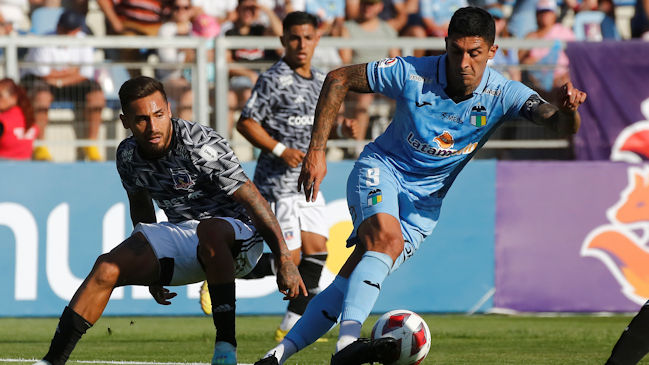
<point x="334" y="90"/>
<point x="261" y="214"/>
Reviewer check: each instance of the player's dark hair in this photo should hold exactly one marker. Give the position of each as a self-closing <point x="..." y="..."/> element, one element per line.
<point x="138" y="88"/>
<point x="298" y="18"/>
<point x="471" y="22"/>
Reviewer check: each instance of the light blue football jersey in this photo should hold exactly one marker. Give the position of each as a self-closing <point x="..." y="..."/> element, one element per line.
<point x="431" y="137"/>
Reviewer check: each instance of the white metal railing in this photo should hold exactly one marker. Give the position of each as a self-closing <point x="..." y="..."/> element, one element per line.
<point x="201" y="84"/>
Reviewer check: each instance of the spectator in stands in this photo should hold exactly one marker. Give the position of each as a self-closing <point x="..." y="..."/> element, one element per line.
<point x="548" y="28"/>
<point x="367" y="25"/>
<point x="222" y="10"/>
<point x="179" y="24"/>
<point x="17" y="128"/>
<point x="330" y="13"/>
<point x="640" y="20"/>
<point x="283" y="7"/>
<point x="397" y="12"/>
<point x="70" y="83"/>
<point x="131" y="17"/>
<point x="522" y="20"/>
<point x="247" y="23"/>
<point x="41" y="98"/>
<point x="506" y="59"/>
<point x="17" y="13"/>
<point x="432" y="19"/>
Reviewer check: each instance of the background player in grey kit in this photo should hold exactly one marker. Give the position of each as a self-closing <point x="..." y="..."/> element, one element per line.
<point x="217" y="222"/>
<point x="278" y="119"/>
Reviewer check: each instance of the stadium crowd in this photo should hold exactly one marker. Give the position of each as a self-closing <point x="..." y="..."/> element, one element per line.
<point x="84" y="89"/>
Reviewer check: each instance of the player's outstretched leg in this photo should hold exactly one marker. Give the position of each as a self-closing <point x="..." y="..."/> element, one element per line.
<point x="633" y="344"/>
<point x="383" y="350"/>
<point x="364" y="288"/>
<point x="133" y="262"/>
<point x="321" y="314"/>
<point x="310" y="268"/>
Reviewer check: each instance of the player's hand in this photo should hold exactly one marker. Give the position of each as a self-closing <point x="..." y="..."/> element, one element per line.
<point x="292" y="157"/>
<point x="161" y="294"/>
<point x="289" y="280"/>
<point x="351" y="129"/>
<point x="570" y="97"/>
<point x="314" y="169"/>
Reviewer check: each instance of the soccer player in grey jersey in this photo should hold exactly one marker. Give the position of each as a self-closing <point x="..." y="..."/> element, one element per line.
<point x="278" y="119"/>
<point x="217" y="222"/>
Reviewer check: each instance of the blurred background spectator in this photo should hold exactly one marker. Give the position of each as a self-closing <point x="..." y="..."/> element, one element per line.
<point x="506" y="59"/>
<point x="547" y="79"/>
<point x="68" y="73"/>
<point x="16" y="12"/>
<point x="17" y="128"/>
<point x="222" y="10"/>
<point x="640" y="20"/>
<point x="178" y="24"/>
<point x="367" y="25"/>
<point x="131" y="17"/>
<point x="248" y="22"/>
<point x="431" y="20"/>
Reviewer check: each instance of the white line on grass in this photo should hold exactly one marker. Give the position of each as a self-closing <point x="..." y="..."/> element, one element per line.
<point x="114" y="362"/>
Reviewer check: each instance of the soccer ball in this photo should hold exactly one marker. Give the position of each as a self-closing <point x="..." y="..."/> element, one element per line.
<point x="410" y="330"/>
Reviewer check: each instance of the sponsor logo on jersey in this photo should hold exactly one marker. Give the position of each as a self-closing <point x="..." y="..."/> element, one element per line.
<point x="445" y="139"/>
<point x="418" y="78"/>
<point x="479" y="116"/>
<point x="451" y="117"/>
<point x="208" y="153"/>
<point x="298" y="120"/>
<point x="492" y="92"/>
<point x="182" y="179"/>
<point x="180" y="201"/>
<point x="285" y="80"/>
<point x="387" y="62"/>
<point x="127" y="155"/>
<point x="374" y="197"/>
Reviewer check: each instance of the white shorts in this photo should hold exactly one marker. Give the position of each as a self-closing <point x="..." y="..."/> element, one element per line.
<point x="176" y="246"/>
<point x="295" y="215"/>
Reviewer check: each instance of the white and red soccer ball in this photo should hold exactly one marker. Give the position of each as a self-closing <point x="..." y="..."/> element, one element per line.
<point x="410" y="330"/>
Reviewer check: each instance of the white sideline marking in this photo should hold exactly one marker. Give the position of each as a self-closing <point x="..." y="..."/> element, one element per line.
<point x="113" y="362"/>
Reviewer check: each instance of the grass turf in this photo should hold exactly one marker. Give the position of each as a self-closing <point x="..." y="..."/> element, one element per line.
<point x="456" y="339"/>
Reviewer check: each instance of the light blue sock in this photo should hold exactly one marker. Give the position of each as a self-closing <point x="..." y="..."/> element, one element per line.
<point x="365" y="285"/>
<point x="321" y="314"/>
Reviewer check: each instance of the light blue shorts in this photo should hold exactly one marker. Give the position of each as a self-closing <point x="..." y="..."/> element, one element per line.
<point x="374" y="187"/>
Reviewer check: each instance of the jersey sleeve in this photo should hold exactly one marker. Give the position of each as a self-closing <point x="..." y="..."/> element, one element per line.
<point x="214" y="157"/>
<point x="259" y="106"/>
<point x="387" y="76"/>
<point x="514" y="97"/>
<point x="123" y="161"/>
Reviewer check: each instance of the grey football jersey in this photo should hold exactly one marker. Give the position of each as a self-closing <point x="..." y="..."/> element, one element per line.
<point x="194" y="180"/>
<point x="283" y="102"/>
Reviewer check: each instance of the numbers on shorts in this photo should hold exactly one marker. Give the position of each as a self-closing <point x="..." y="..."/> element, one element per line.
<point x="372" y="176"/>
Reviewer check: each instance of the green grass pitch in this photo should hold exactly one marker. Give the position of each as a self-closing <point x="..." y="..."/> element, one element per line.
<point x="456" y="339"/>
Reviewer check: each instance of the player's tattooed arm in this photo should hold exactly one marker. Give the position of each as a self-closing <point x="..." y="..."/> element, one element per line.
<point x="334" y="90"/>
<point x="289" y="280"/>
<point x="141" y="206"/>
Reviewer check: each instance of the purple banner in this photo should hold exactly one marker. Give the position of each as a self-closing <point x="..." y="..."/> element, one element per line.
<point x="615" y="124"/>
<point x="572" y="236"/>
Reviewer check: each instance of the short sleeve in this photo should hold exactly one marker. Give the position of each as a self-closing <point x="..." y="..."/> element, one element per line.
<point x="216" y="159"/>
<point x="124" y="167"/>
<point x="259" y="106"/>
<point x="387" y="76"/>
<point x="514" y="97"/>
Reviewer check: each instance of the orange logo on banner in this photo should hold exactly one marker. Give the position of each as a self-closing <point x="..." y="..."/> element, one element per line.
<point x="622" y="245"/>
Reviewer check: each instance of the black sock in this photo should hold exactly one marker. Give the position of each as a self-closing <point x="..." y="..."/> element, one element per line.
<point x="70" y="329"/>
<point x="310" y="269"/>
<point x="633" y="344"/>
<point x="223" y="311"/>
<point x="264" y="267"/>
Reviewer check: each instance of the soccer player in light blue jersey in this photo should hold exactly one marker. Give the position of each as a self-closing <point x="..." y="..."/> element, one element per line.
<point x="447" y="107"/>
